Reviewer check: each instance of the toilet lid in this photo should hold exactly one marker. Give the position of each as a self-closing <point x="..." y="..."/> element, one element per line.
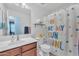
<point x="45" y="46"/>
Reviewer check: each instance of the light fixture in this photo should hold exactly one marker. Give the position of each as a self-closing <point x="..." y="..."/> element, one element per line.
<point x="43" y="4"/>
<point x="22" y="5"/>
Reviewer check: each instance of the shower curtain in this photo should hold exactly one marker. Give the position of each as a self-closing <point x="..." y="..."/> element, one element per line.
<point x="57" y="32"/>
<point x="63" y="30"/>
<point x="73" y="29"/>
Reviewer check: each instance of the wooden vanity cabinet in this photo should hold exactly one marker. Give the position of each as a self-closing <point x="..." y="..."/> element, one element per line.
<point x="25" y="50"/>
<point x="29" y="50"/>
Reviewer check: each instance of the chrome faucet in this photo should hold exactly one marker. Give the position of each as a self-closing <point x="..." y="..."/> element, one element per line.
<point x="17" y="37"/>
<point x="12" y="39"/>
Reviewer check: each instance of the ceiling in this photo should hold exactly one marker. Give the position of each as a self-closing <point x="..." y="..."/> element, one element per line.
<point x="39" y="10"/>
<point x="51" y="6"/>
<point x="12" y="6"/>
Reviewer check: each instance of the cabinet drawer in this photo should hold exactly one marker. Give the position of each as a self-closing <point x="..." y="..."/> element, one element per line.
<point x="12" y="52"/>
<point x="4" y="53"/>
<point x="32" y="52"/>
<point x="27" y="47"/>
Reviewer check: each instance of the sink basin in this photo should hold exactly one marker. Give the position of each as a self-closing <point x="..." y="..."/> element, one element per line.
<point x="9" y="43"/>
<point x="16" y="42"/>
<point x="5" y="43"/>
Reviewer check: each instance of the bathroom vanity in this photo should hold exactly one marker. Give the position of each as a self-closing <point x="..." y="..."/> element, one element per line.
<point x="22" y="48"/>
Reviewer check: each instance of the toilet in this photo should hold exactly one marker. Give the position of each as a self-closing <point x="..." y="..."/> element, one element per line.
<point x="45" y="49"/>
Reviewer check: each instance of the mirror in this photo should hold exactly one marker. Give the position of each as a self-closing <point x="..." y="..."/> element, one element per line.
<point x="1" y="23"/>
<point x="14" y="20"/>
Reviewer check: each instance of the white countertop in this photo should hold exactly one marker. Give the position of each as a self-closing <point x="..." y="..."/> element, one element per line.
<point x="21" y="42"/>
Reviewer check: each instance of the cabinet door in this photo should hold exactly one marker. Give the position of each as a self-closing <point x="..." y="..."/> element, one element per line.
<point x="32" y="52"/>
<point x="15" y="52"/>
<point x="12" y="52"/>
<point x="28" y="47"/>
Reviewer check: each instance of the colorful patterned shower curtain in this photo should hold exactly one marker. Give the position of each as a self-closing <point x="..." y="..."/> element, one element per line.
<point x="57" y="32"/>
<point x="63" y="30"/>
